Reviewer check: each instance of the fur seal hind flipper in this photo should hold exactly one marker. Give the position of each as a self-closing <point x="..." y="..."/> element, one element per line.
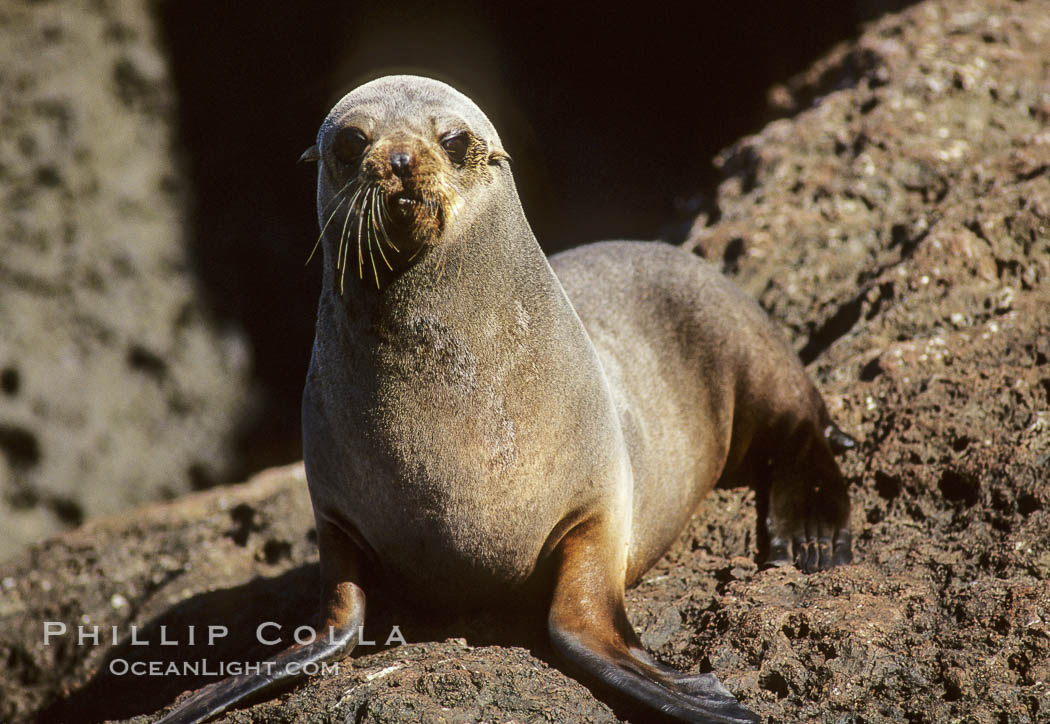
<point x="343" y="606"/>
<point x="588" y="627"/>
<point x="807" y="519"/>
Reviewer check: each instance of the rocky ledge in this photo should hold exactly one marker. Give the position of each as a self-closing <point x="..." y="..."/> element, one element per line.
<point x="897" y="221"/>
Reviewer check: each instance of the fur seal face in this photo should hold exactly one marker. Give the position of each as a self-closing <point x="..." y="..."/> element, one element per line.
<point x="400" y="159"/>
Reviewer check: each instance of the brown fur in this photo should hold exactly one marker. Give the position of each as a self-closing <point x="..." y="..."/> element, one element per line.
<point x="476" y="427"/>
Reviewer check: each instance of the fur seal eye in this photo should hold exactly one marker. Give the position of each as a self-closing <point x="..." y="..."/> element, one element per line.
<point x="455" y="144"/>
<point x="350" y="144"/>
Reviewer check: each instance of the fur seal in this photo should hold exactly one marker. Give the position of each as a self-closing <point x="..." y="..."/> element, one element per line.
<point x="480" y="424"/>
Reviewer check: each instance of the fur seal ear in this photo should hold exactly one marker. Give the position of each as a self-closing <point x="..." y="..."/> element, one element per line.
<point x="498" y="154"/>
<point x="311" y="154"/>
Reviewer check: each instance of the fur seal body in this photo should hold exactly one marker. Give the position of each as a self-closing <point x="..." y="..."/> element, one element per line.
<point x="480" y="426"/>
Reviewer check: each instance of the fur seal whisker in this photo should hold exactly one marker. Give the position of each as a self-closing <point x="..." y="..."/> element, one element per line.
<point x="439" y="263"/>
<point x="341" y="255"/>
<point x="454" y="200"/>
<point x="416" y="252"/>
<point x="360" y="248"/>
<point x="341" y="250"/>
<point x="361" y="187"/>
<point x="342" y="237"/>
<point x="382" y="225"/>
<point x="370" y="232"/>
<point x="377" y="224"/>
<point x="340" y="192"/>
<point x="341" y="198"/>
<point x="317" y="243"/>
<point x="353" y="211"/>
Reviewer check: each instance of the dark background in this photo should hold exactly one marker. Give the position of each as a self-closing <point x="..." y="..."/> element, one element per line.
<point x="612" y="115"/>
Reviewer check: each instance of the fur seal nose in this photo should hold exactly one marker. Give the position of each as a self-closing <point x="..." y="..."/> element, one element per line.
<point x="401" y="163"/>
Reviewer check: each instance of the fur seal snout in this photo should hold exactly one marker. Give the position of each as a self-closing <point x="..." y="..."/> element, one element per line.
<point x="510" y="427"/>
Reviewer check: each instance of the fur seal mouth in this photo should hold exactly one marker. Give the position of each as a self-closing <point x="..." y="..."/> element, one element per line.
<point x="418" y="213"/>
<point x="404" y="202"/>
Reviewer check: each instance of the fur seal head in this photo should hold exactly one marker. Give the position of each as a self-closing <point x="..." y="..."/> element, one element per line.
<point x="401" y="159"/>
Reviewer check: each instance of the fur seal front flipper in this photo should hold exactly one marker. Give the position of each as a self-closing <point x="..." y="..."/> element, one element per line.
<point x="478" y="429"/>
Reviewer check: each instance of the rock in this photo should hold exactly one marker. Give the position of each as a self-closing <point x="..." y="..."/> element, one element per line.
<point x="900" y="228"/>
<point x="898" y="224"/>
<point x="115" y="386"/>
